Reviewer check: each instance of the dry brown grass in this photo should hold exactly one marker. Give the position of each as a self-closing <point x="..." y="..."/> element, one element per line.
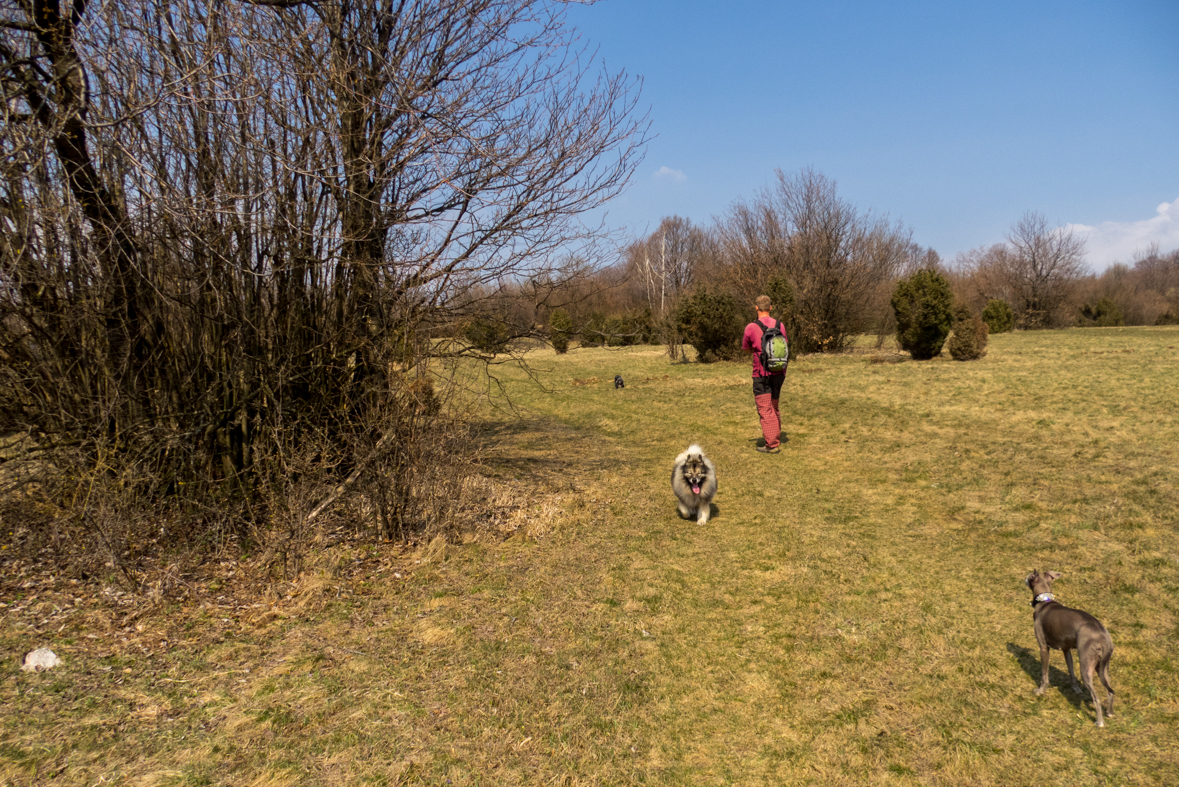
<point x="853" y="614"/>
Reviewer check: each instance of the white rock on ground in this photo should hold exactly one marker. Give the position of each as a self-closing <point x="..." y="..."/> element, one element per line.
<point x="40" y="660"/>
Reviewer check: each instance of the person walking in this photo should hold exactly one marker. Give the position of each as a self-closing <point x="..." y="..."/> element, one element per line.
<point x="767" y="385"/>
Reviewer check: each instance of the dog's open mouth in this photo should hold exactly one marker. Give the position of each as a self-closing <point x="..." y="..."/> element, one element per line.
<point x="695" y="489"/>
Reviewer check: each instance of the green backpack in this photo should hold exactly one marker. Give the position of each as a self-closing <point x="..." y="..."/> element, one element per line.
<point x="775" y="347"/>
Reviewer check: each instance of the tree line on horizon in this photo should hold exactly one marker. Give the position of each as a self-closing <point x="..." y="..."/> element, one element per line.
<point x="835" y="269"/>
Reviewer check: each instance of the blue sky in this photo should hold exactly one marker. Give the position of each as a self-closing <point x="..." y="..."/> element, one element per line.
<point x="954" y="118"/>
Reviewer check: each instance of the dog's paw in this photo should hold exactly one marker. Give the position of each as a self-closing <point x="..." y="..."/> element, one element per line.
<point x="1040" y="691"/>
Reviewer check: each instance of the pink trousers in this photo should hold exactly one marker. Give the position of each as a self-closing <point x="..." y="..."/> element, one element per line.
<point x="771" y="421"/>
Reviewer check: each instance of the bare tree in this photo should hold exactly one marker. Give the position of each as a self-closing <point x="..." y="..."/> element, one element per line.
<point x="1117" y="285"/>
<point x="47" y="137"/>
<point x="838" y="260"/>
<point x="666" y="263"/>
<point x="230" y="226"/>
<point x="753" y="242"/>
<point x="1041" y="269"/>
<point x="681" y="248"/>
<point x="1157" y="284"/>
<point x="979" y="276"/>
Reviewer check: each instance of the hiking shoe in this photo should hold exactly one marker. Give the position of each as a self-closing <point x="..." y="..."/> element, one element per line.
<point x="765" y="450"/>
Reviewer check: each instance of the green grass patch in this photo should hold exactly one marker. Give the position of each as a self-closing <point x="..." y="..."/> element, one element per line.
<point x="853" y="614"/>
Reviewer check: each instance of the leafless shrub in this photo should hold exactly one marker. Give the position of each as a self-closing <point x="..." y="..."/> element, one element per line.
<point x="840" y="262"/>
<point x="233" y="232"/>
<point x="1036" y="271"/>
<point x="1155" y="280"/>
<point x="1042" y="269"/>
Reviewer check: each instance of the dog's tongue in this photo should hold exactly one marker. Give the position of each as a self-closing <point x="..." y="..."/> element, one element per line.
<point x="695" y="489"/>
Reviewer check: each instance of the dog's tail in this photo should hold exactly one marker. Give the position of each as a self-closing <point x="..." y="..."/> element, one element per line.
<point x="1103" y="673"/>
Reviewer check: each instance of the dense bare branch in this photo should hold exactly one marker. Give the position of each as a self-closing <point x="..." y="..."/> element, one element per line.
<point x="839" y="261"/>
<point x="229" y="225"/>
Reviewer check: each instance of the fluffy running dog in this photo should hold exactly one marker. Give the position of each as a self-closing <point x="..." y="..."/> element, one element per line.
<point x="693" y="479"/>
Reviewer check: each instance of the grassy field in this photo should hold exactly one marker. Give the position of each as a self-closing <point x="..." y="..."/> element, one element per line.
<point x="854" y="613"/>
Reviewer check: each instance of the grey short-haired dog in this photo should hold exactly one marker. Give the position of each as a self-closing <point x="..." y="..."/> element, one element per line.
<point x="1060" y="627"/>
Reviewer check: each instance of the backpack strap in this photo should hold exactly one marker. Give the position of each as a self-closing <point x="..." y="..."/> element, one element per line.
<point x="764" y="327"/>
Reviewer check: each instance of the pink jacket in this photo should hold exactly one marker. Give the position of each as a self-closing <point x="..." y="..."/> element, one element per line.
<point x="751" y="342"/>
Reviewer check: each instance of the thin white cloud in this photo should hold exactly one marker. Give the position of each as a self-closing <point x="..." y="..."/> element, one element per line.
<point x="1114" y="241"/>
<point x="674" y="175"/>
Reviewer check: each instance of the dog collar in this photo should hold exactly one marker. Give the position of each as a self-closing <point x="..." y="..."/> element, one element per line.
<point x="1040" y="599"/>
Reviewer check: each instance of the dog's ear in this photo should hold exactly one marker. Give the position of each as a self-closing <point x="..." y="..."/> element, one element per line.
<point x="1052" y="575"/>
<point x="1030" y="578"/>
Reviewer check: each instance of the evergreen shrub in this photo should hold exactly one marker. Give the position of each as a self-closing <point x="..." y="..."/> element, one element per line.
<point x="594" y="332"/>
<point x="1103" y="314"/>
<point x="711" y="322"/>
<point x="998" y="316"/>
<point x="969" y="340"/>
<point x="615" y="331"/>
<point x="560" y="329"/>
<point x="923" y="306"/>
<point x="487" y="335"/>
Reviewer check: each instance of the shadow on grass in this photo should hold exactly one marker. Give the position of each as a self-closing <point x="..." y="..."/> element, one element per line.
<point x="543" y="448"/>
<point x="1029" y="660"/>
<point x="713" y="513"/>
